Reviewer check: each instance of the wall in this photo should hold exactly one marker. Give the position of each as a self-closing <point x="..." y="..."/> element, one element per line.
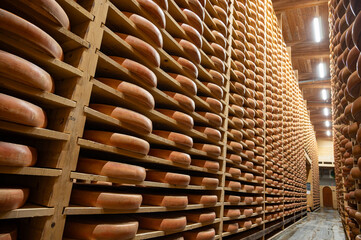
<point x="333" y="188"/>
<point x="325" y="151"/>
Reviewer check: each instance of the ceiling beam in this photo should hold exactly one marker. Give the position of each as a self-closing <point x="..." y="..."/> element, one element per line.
<point x="305" y="76"/>
<point x="311" y="104"/>
<point x="286" y="5"/>
<point x="311" y="54"/>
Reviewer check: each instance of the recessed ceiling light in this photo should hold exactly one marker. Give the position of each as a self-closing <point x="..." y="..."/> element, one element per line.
<point x="322" y="70"/>
<point x="326" y="111"/>
<point x="324" y="94"/>
<point x="328" y="133"/>
<point x="327" y="124"/>
<point x="317" y="29"/>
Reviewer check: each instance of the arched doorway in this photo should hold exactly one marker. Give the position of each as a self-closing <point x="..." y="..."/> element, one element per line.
<point x="327" y="197"/>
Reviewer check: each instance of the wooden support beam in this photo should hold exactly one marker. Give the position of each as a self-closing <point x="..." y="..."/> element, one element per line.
<point x="311" y="104"/>
<point x="305" y="76"/>
<point x="311" y="54"/>
<point x="287" y="5"/>
<point x="315" y="84"/>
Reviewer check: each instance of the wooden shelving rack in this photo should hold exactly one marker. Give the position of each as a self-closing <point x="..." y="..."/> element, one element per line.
<point x="261" y="101"/>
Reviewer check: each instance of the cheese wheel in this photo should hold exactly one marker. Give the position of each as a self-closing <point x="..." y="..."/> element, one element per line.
<point x="193" y="34"/>
<point x="190" y="49"/>
<point x="221" y="40"/>
<point x="19" y="111"/>
<point x="194" y="20"/>
<point x="217" y="77"/>
<point x="220" y="26"/>
<point x="234" y="158"/>
<point x="356" y="32"/>
<point x="213" y="103"/>
<point x="162" y="223"/>
<point x="218" y="63"/>
<point x="95" y="229"/>
<point x="248" y="212"/>
<point x="154" y="10"/>
<point x="187" y="66"/>
<point x="8" y="232"/>
<point x="249" y="164"/>
<point x="219" y="51"/>
<point x="197" y="8"/>
<point x="12" y="198"/>
<point x="233" y="171"/>
<point x="107" y="200"/>
<point x="185" y="82"/>
<point x="21" y="70"/>
<point x="352" y="58"/>
<point x="182" y="119"/>
<point x="203" y="199"/>
<point x="142" y="47"/>
<point x="178" y="138"/>
<point x="204" y="181"/>
<point x="230" y="227"/>
<point x="162" y="3"/>
<point x="174" y="156"/>
<point x="125" y="116"/>
<point x="238" y="135"/>
<point x="232" y="213"/>
<point x="131" y="91"/>
<point x="210" y="165"/>
<point x="139" y="70"/>
<point x="237" y="121"/>
<point x="197" y="234"/>
<point x="215" y="89"/>
<point x="165" y="200"/>
<point x="213" y="118"/>
<point x="208" y="148"/>
<point x="147" y="28"/>
<point x="17" y="155"/>
<point x="168" y="177"/>
<point x="248" y="188"/>
<point x="248" y="176"/>
<point x="237" y="147"/>
<point x="222" y="14"/>
<point x="248" y="200"/>
<point x="118" y="140"/>
<point x="183" y="100"/>
<point x="30" y="35"/>
<point x="233" y="199"/>
<point x="210" y="132"/>
<point x="233" y="184"/>
<point x="111" y="169"/>
<point x="245" y="224"/>
<point x="202" y="217"/>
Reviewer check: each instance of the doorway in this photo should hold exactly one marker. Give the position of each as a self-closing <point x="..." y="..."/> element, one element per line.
<point x="327" y="197"/>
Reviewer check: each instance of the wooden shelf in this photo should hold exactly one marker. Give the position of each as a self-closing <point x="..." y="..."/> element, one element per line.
<point x="31" y="171"/>
<point x="27" y="211"/>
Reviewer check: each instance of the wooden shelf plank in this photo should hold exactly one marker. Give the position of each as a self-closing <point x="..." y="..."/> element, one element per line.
<point x="27" y="211"/>
<point x="32" y="171"/>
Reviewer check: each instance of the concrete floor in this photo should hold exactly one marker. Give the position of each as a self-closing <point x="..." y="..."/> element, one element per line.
<point x="324" y="224"/>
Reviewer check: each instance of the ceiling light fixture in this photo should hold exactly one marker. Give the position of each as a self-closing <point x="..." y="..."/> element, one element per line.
<point x="322" y="70"/>
<point x="324" y="94"/>
<point x="328" y="133"/>
<point x="327" y="124"/>
<point x="326" y="111"/>
<point x="317" y="29"/>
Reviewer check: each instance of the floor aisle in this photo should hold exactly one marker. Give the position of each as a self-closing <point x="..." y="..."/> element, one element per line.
<point x="322" y="225"/>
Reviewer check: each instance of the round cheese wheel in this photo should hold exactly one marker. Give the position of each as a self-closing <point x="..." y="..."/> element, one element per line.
<point x="111" y="169"/>
<point x="213" y="103"/>
<point x="162" y="3"/>
<point x="222" y="14"/>
<point x="215" y="89"/>
<point x="174" y="156"/>
<point x="165" y="200"/>
<point x="131" y="91"/>
<point x="248" y="212"/>
<point x="190" y="49"/>
<point x="107" y="200"/>
<point x="187" y="66"/>
<point x="210" y="132"/>
<point x="147" y="28"/>
<point x="221" y="40"/>
<point x="248" y="200"/>
<point x="204" y="181"/>
<point x="154" y="10"/>
<point x="210" y="165"/>
<point x="193" y="20"/>
<point x="356" y="32"/>
<point x="234" y="158"/>
<point x="232" y="213"/>
<point x="94" y="229"/>
<point x="118" y="140"/>
<point x="203" y="199"/>
<point x="183" y="100"/>
<point x="237" y="147"/>
<point x="213" y="118"/>
<point x="238" y="110"/>
<point x="208" y="234"/>
<point x="351" y="60"/>
<point x="208" y="148"/>
<point x="217" y="77"/>
<point x="193" y="34"/>
<point x="233" y="199"/>
<point x="248" y="176"/>
<point x="17" y="155"/>
<point x="125" y="116"/>
<point x="239" y="99"/>
<point x="238" y="135"/>
<point x="248" y="188"/>
<point x="220" y="26"/>
<point x="168" y="177"/>
<point x="31" y="35"/>
<point x="219" y="51"/>
<point x="230" y="227"/>
<point x="197" y="8"/>
<point x="233" y="171"/>
<point x="19" y="111"/>
<point x="237" y="121"/>
<point x="233" y="184"/>
<point x="12" y="198"/>
<point x="139" y="70"/>
<point x="142" y="47"/>
<point x="181" y="118"/>
<point x="218" y="63"/>
<point x="202" y="217"/>
<point x="178" y="138"/>
<point x="185" y="82"/>
<point x="21" y="70"/>
<point x="162" y="223"/>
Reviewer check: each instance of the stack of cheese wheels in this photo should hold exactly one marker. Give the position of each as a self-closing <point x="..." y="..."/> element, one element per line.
<point x="345" y="49"/>
<point x="87" y="228"/>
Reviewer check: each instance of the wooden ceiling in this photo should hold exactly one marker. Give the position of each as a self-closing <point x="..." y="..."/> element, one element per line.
<point x="296" y="18"/>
